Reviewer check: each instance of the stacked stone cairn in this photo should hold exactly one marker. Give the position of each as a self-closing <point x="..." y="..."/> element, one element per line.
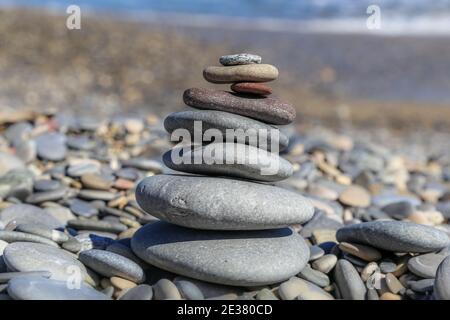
<point x="226" y="222"/>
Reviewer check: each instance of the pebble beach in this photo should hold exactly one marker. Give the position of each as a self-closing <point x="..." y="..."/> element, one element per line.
<point x="93" y="205"/>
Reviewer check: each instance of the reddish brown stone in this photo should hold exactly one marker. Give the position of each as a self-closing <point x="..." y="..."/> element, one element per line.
<point x="269" y="110"/>
<point x="251" y="87"/>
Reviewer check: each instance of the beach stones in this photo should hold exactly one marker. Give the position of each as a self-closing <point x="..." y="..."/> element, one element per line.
<point x="442" y="280"/>
<point x="39" y="288"/>
<point x="51" y="146"/>
<point x="27" y="256"/>
<point x="348" y="281"/>
<point x="241" y="73"/>
<point x="110" y="264"/>
<point x="230" y="159"/>
<point x="25" y="213"/>
<point x="9" y="162"/>
<point x="240" y="58"/>
<point x="299" y="289"/>
<point x="240" y="258"/>
<point x="425" y="265"/>
<point x="257" y="133"/>
<point x="251" y="87"/>
<point x="186" y="201"/>
<point x="397" y="236"/>
<point x="268" y="110"/>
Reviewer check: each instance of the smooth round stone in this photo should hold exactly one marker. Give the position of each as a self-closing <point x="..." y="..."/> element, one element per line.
<point x="394" y="285"/>
<point x="425" y="265"/>
<point x="26" y="150"/>
<point x="28" y="256"/>
<point x="314" y="276"/>
<point x="122" y="284"/>
<point x="80" y="143"/>
<point x="186" y="201"/>
<point x="251" y="87"/>
<point x="268" y="110"/>
<point x="165" y="289"/>
<point x="52" y="195"/>
<point x="39" y="288"/>
<point x="230" y="159"/>
<point x="355" y="196"/>
<point x="325" y="264"/>
<point x="83" y="208"/>
<point x="399" y="210"/>
<point x="43" y="231"/>
<point x="239" y="59"/>
<point x="315" y="252"/>
<point x="211" y="290"/>
<point x="128" y="174"/>
<point x="383" y="200"/>
<point x="18" y="132"/>
<point x="60" y="213"/>
<point x="442" y="280"/>
<point x="361" y="251"/>
<point x="51" y="146"/>
<point x="296" y="288"/>
<point x="15" y="236"/>
<point x="9" y="162"/>
<point x="397" y="236"/>
<point x="124" y="250"/>
<point x="89" y="194"/>
<point x="143" y="164"/>
<point x="25" y="213"/>
<point x="140" y="292"/>
<point x="350" y="285"/>
<point x="43" y="185"/>
<point x="109" y="264"/>
<point x="387" y="267"/>
<point x="242" y="73"/>
<point x="97" y="225"/>
<point x="259" y="134"/>
<point x="79" y="169"/>
<point x="188" y="290"/>
<point x="234" y="258"/>
<point x="16" y="183"/>
<point x="95" y="181"/>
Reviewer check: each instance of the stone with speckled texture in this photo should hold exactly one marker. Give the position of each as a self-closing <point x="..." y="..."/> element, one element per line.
<point x="442" y="280"/>
<point x="217" y="203"/>
<point x="239" y="59"/>
<point x="269" y="110"/>
<point x="251" y="87"/>
<point x="241" y="73"/>
<point x="240" y="258"/>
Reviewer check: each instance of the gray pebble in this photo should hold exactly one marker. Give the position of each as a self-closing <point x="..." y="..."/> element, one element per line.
<point x="83" y="208"/>
<point x="188" y="290"/>
<point x="442" y="280"/>
<point x="349" y="282"/>
<point x="25" y="213"/>
<point x="425" y="265"/>
<point x="46" y="185"/>
<point x="238" y="59"/>
<point x="15" y="236"/>
<point x="97" y="225"/>
<point x="110" y="264"/>
<point x="165" y="289"/>
<point x="51" y="146"/>
<point x="140" y="292"/>
<point x="186" y="201"/>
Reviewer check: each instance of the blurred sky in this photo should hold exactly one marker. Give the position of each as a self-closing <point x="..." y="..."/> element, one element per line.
<point x="399" y="16"/>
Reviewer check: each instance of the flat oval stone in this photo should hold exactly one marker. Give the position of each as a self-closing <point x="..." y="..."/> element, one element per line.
<point x="51" y="146"/>
<point x="348" y="281"/>
<point x="43" y="231"/>
<point x="83" y="208"/>
<point x="25" y="213"/>
<point x="397" y="236"/>
<point x="15" y="236"/>
<point x="425" y="265"/>
<point x="239" y="58"/>
<point x="249" y="258"/>
<point x="16" y="183"/>
<point x="442" y="280"/>
<point x="186" y="201"/>
<point x="258" y="134"/>
<point x="296" y="288"/>
<point x="229" y="159"/>
<point x="109" y="264"/>
<point x="28" y="256"/>
<point x="251" y="87"/>
<point x="6" y="276"/>
<point x="166" y="290"/>
<point x="355" y="196"/>
<point x="9" y="162"/>
<point x="39" y="288"/>
<point x="189" y="290"/>
<point x="241" y="73"/>
<point x="268" y="110"/>
<point x="46" y="185"/>
<point x="361" y="251"/>
<point x="52" y="195"/>
<point x="98" y="225"/>
<point x="318" y="278"/>
<point x="89" y="194"/>
<point x="140" y="292"/>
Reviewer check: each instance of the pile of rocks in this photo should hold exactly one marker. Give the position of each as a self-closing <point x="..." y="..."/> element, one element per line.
<point x="69" y="217"/>
<point x="199" y="211"/>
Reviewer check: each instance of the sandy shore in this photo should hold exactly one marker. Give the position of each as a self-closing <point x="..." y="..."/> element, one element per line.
<point x="339" y="80"/>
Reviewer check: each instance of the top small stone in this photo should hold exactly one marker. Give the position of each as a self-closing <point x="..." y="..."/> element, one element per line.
<point x="240" y="58"/>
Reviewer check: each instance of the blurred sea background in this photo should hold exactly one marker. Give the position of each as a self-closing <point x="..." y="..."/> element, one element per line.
<point x="139" y="56"/>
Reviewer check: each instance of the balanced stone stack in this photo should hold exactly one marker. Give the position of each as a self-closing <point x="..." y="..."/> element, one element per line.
<point x="225" y="222"/>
